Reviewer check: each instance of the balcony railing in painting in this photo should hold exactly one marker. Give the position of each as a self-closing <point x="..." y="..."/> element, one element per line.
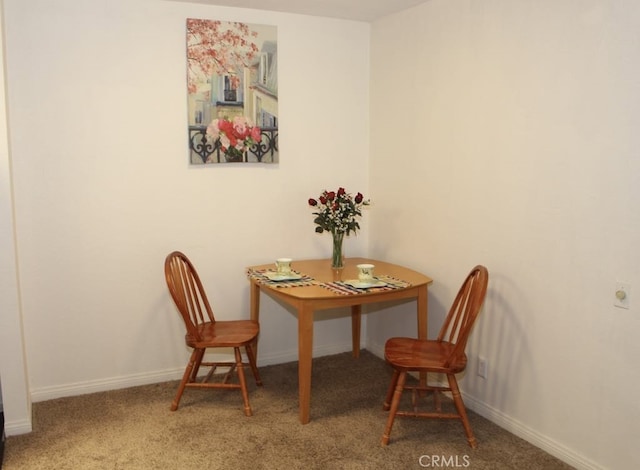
<point x="203" y="147"/>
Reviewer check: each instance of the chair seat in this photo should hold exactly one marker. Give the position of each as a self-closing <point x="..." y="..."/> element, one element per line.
<point x="230" y="334"/>
<point x="423" y="355"/>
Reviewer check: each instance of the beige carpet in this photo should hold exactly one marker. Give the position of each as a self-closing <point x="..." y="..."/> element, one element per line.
<point x="134" y="429"/>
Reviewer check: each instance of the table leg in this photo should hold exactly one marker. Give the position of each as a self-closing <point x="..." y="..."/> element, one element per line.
<point x="422" y="313"/>
<point x="305" y="353"/>
<point x="356" y="311"/>
<point x="255" y="312"/>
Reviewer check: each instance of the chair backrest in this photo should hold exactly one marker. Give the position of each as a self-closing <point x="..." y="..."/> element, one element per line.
<point x="464" y="311"/>
<point x="187" y="292"/>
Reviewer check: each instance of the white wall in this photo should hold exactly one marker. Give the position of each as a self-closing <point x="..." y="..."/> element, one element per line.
<point x="512" y="128"/>
<point x="14" y="397"/>
<point x="502" y="133"/>
<point x="103" y="189"/>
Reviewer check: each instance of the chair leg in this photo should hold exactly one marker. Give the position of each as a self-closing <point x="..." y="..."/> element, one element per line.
<point x="457" y="399"/>
<point x="392" y="387"/>
<point x="252" y="362"/>
<point x="243" y="382"/>
<point x="185" y="378"/>
<point x="196" y="366"/>
<point x="397" y="394"/>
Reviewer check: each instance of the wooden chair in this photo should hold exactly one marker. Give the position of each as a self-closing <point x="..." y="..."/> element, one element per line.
<point x="445" y="355"/>
<point x="204" y="332"/>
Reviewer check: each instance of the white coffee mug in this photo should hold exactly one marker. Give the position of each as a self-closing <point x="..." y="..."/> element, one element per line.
<point x="365" y="272"/>
<point x="283" y="266"/>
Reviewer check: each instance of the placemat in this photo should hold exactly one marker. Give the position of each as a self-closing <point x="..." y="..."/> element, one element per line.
<point x="339" y="287"/>
<point x="260" y="278"/>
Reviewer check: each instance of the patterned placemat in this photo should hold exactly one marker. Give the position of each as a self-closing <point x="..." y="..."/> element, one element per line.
<point x="260" y="278"/>
<point x="339" y="287"/>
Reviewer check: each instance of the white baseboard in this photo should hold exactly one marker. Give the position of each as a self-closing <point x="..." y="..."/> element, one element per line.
<point x="292" y="354"/>
<point x="539" y="440"/>
<point x="376" y="349"/>
<point x="15" y="428"/>
<point x="134" y="380"/>
<point x="102" y="385"/>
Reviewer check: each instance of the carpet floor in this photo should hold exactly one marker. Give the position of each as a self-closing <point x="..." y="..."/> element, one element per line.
<point x="134" y="429"/>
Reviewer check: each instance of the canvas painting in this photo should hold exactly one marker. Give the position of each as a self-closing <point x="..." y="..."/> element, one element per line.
<point x="232" y="89"/>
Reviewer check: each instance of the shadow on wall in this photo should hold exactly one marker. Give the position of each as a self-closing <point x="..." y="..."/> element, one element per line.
<point x="500" y="338"/>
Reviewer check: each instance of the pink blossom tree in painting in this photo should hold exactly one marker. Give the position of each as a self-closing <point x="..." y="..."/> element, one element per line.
<point x="217" y="48"/>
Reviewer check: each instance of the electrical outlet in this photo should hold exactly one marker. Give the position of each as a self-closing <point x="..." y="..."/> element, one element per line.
<point x="622" y="295"/>
<point x="482" y="367"/>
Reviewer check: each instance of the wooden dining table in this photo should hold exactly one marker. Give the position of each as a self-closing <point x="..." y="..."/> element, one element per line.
<point x="318" y="286"/>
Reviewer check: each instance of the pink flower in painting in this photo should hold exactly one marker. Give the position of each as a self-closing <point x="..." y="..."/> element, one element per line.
<point x="238" y="133"/>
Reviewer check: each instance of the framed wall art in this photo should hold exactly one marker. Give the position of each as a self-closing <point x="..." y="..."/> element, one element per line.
<point x="232" y="90"/>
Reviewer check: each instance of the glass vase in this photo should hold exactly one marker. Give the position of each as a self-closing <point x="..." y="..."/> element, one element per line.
<point x="336" y="257"/>
<point x="234" y="155"/>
